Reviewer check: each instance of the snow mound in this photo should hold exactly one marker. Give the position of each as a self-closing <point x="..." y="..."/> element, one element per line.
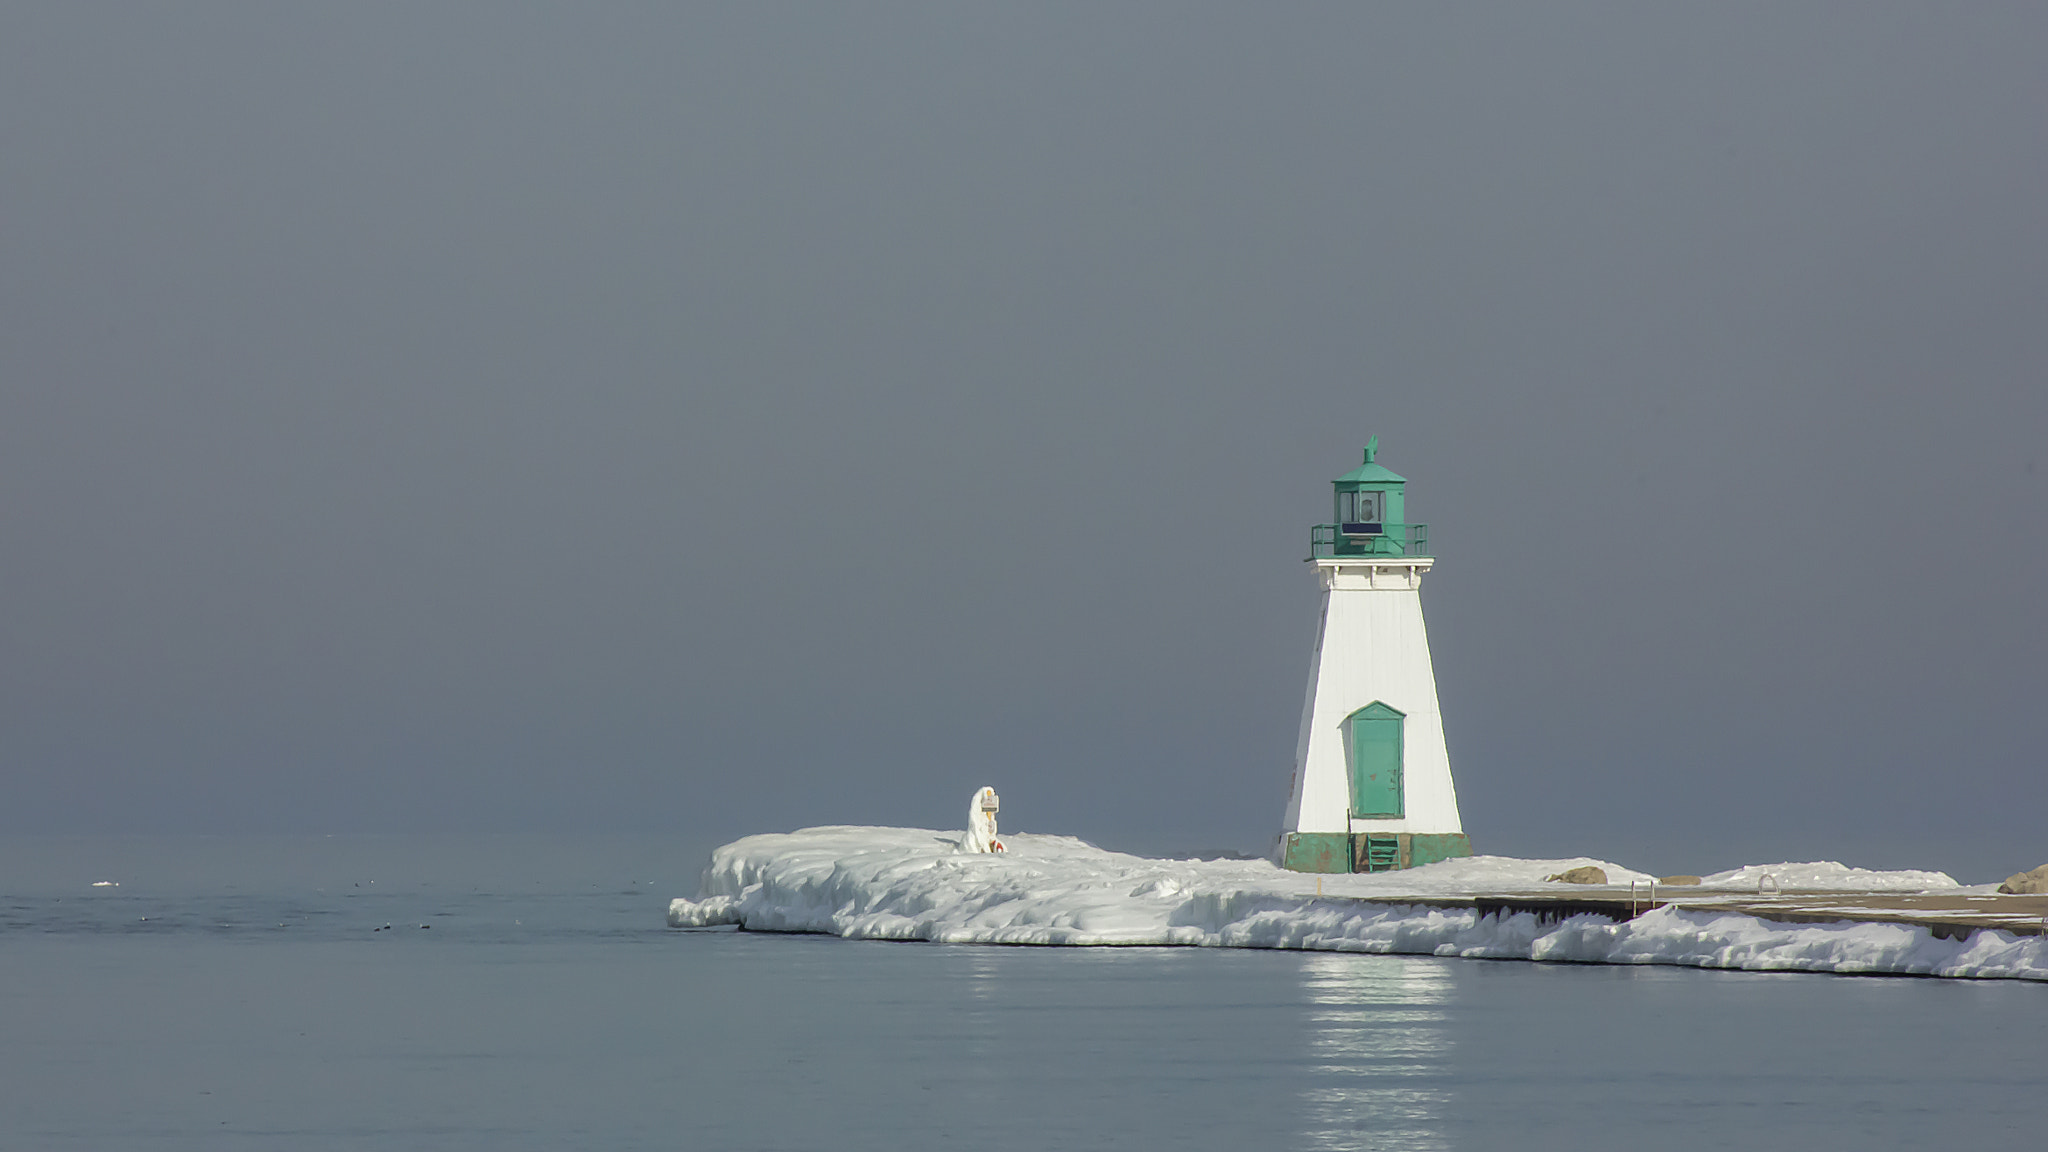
<point x="1828" y="874"/>
<point x="916" y="884"/>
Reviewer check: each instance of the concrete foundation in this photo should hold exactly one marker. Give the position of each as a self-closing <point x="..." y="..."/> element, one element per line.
<point x="1369" y="851"/>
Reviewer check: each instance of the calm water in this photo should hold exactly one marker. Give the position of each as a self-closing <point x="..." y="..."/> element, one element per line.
<point x="241" y="994"/>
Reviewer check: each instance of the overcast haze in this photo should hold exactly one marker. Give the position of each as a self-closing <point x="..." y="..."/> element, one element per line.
<point x="733" y="417"/>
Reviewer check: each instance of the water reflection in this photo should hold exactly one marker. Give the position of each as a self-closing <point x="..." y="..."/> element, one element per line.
<point x="1378" y="1053"/>
<point x="984" y="972"/>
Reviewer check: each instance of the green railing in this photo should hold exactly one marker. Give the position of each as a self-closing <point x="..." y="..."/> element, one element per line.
<point x="1327" y="541"/>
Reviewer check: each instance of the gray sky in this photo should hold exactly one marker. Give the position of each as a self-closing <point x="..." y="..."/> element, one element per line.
<point x="727" y="418"/>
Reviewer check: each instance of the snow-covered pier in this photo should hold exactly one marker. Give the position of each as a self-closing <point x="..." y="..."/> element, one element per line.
<point x="918" y="884"/>
<point x="1946" y="916"/>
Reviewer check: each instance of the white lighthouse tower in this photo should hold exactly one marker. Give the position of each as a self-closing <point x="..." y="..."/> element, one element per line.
<point x="1372" y="780"/>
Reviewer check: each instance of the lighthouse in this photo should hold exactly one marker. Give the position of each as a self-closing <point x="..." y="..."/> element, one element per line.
<point x="1372" y="785"/>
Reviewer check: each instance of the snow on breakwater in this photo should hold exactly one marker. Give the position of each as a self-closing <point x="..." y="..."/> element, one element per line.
<point x="915" y="884"/>
<point x="1828" y="874"/>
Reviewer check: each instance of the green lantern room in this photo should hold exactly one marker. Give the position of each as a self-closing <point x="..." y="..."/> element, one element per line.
<point x="1370" y="517"/>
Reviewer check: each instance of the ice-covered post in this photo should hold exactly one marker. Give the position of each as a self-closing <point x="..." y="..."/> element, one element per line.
<point x="981" y="822"/>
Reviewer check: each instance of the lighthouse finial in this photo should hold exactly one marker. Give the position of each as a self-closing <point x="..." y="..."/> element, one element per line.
<point x="1372" y="448"/>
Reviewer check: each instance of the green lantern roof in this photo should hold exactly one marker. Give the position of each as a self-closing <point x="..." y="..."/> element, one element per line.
<point x="1369" y="472"/>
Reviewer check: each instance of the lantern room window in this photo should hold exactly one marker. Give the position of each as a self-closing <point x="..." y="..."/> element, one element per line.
<point x="1361" y="513"/>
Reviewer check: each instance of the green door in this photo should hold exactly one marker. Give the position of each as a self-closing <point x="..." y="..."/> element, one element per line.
<point x="1372" y="740"/>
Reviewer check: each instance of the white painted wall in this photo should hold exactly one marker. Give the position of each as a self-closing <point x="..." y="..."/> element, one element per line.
<point x="1370" y="646"/>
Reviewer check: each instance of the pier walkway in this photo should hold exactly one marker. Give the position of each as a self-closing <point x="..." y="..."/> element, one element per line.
<point x="1949" y="916"/>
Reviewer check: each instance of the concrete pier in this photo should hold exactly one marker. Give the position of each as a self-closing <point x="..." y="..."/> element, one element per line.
<point x="1948" y="916"/>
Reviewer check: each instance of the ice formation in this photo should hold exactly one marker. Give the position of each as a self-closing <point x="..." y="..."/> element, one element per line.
<point x="917" y="884"/>
<point x="981" y="823"/>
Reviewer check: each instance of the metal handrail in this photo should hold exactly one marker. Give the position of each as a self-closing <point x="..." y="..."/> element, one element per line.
<point x="1324" y="540"/>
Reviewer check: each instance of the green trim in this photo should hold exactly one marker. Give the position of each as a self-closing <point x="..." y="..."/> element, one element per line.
<point x="1368" y="472"/>
<point x="1326" y="542"/>
<point x="1316" y="852"/>
<point x="1370" y="851"/>
<point x="1394" y="490"/>
<point x="1378" y="852"/>
<point x="1430" y="847"/>
<point x="1385" y="533"/>
<point x="1369" y="475"/>
<point x="1374" y="759"/>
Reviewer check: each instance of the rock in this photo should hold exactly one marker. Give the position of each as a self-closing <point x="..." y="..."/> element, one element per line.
<point x="1583" y="874"/>
<point x="2033" y="883"/>
<point x="1678" y="881"/>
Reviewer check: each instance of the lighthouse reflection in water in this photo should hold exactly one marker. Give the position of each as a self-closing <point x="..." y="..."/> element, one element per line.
<point x="1380" y="1052"/>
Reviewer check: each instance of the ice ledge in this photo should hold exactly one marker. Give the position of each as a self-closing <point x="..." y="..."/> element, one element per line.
<point x="915" y="884"/>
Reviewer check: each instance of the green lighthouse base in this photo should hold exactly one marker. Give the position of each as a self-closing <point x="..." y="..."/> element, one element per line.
<point x="1370" y="851"/>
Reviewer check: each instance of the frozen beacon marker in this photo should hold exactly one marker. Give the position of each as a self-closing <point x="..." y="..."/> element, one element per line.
<point x="1372" y="784"/>
<point x="981" y="823"/>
